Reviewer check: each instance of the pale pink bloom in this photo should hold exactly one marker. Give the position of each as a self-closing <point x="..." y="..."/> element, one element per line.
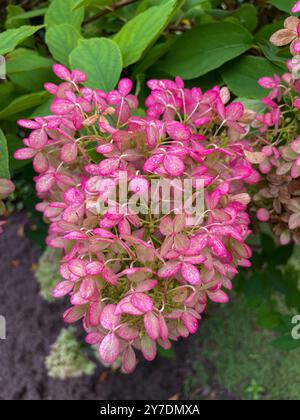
<point x="137" y="281"/>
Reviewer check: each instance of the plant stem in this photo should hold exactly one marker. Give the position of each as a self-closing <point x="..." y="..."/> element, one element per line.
<point x="108" y="10"/>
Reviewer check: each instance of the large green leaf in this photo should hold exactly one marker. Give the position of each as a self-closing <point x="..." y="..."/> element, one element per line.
<point x="12" y="37"/>
<point x="94" y="3"/>
<point x="285" y="5"/>
<point x="61" y="41"/>
<point x="206" y="48"/>
<point x="23" y="59"/>
<point x="241" y="75"/>
<point x="11" y="12"/>
<point x="4" y="159"/>
<point x="23" y="103"/>
<point x="29" y="70"/>
<point x="62" y="11"/>
<point x="247" y="15"/>
<point x="141" y="31"/>
<point x="7" y="93"/>
<point x="100" y="59"/>
<point x="30" y="14"/>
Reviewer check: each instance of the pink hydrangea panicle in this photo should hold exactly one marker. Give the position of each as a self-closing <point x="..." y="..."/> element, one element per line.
<point x="141" y="279"/>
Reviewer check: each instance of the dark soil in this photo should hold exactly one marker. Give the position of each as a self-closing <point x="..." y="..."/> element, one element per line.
<point x="33" y="325"/>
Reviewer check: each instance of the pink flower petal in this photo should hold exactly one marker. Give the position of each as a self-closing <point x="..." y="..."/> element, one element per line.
<point x="24" y="154"/>
<point x="190" y="273"/>
<point x="169" y="269"/>
<point x="152" y="325"/>
<point x="153" y="162"/>
<point x="129" y="361"/>
<point x="217" y="247"/>
<point x="87" y="288"/>
<point x="174" y="165"/>
<point x="296" y="7"/>
<point x="218" y="297"/>
<point x="190" y="322"/>
<point x="109" y="320"/>
<point x="163" y="328"/>
<point x="166" y="226"/>
<point x="108" y="166"/>
<point x="127" y="333"/>
<point x="125" y="86"/>
<point x="45" y="183"/>
<point x="77" y="267"/>
<point x="94" y="268"/>
<point x="40" y="163"/>
<point x="61" y="72"/>
<point x="178" y="131"/>
<point x="148" y="348"/>
<point x="74" y="314"/>
<point x="142" y="302"/>
<point x="95" y="310"/>
<point x="38" y="139"/>
<point x="62" y="289"/>
<point x="109" y="348"/>
<point x="69" y="152"/>
<point x="139" y="185"/>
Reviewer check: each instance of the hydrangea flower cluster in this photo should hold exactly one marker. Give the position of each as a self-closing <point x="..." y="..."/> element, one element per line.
<point x="141" y="279"/>
<point x="6" y="188"/>
<point x="278" y="198"/>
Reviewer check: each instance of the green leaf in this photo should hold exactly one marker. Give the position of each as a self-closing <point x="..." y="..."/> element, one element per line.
<point x="247" y="15"/>
<point x="13" y="144"/>
<point x="276" y="55"/>
<point x="153" y="55"/>
<point x="292" y="283"/>
<point x="61" y="41"/>
<point x="32" y="81"/>
<point x="166" y="354"/>
<point x="286" y="343"/>
<point x="23" y="103"/>
<point x="12" y="37"/>
<point x="42" y="110"/>
<point x="143" y="30"/>
<point x="23" y="59"/>
<point x="13" y="11"/>
<point x="264" y="33"/>
<point x="101" y="60"/>
<point x="253" y="104"/>
<point x="29" y="70"/>
<point x="4" y="160"/>
<point x="267" y="316"/>
<point x="284" y="5"/>
<point x="61" y="12"/>
<point x="7" y="93"/>
<point x="94" y="3"/>
<point x="241" y="76"/>
<point x="206" y="48"/>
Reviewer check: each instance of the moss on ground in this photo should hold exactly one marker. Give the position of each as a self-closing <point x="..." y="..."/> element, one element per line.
<point x="47" y="273"/>
<point x="68" y="358"/>
<point x="232" y="358"/>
